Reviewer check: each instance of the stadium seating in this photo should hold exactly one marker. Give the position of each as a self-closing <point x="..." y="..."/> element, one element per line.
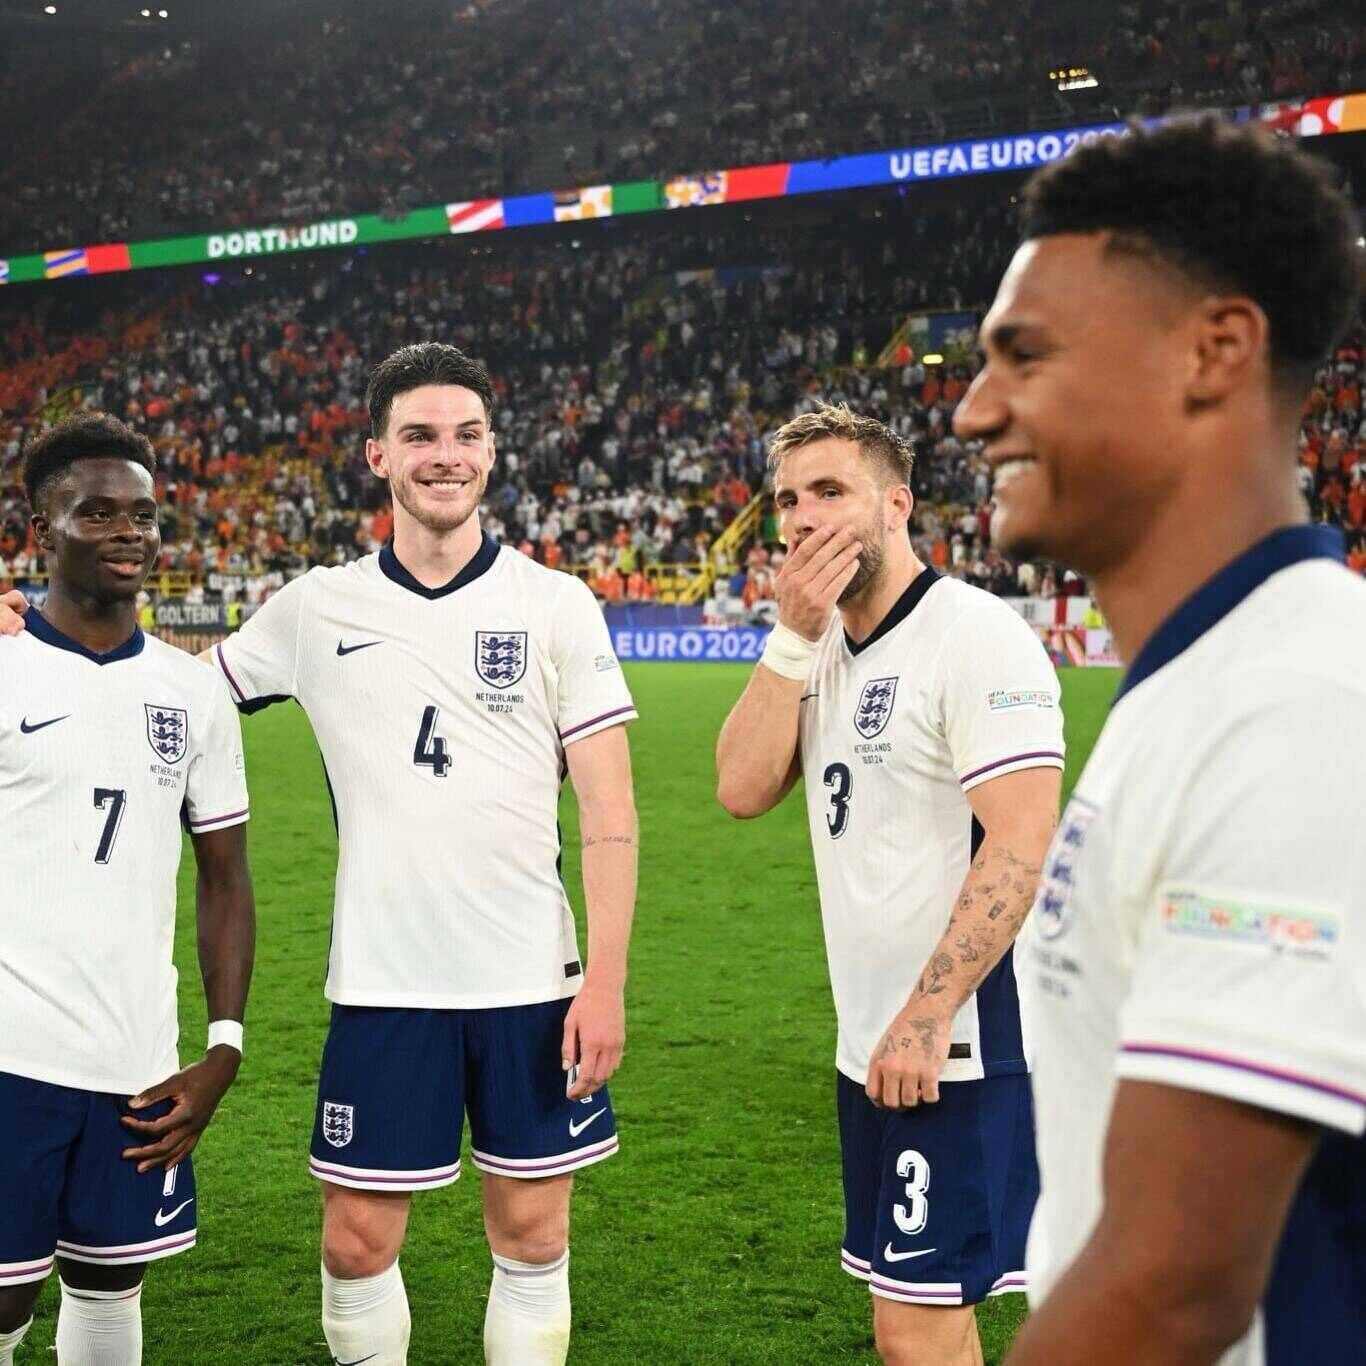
<point x="128" y="137"/>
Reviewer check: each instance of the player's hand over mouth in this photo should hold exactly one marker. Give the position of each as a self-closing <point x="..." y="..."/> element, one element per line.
<point x="812" y="578"/>
<point x="195" y="1092"/>
<point x="905" y="1066"/>
<point x="594" y="1036"/>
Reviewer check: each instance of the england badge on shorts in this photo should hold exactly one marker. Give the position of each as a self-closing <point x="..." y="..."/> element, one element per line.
<point x="338" y="1123"/>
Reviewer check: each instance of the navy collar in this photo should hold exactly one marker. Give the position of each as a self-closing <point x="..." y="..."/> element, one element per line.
<point x="40" y="628"/>
<point x="478" y="566"/>
<point x="900" y="610"/>
<point x="1218" y="596"/>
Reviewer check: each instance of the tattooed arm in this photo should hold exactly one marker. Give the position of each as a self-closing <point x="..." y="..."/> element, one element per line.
<point x="595" y="1028"/>
<point x="1018" y="813"/>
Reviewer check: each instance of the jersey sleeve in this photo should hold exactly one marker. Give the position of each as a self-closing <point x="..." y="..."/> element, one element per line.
<point x="592" y="693"/>
<point x="216" y="786"/>
<point x="1001" y="700"/>
<point x="1249" y="978"/>
<point x="260" y="661"/>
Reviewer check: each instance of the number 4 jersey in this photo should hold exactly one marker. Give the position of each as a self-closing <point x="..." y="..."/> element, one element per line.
<point x="951" y="690"/>
<point x="101" y="758"/>
<point x="442" y="715"/>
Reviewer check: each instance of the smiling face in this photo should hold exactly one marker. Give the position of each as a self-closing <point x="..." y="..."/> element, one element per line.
<point x="1082" y="404"/>
<point x="436" y="452"/>
<point x="98" y="524"/>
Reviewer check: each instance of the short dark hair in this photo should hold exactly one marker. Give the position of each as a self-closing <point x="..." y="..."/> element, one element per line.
<point x="1231" y="207"/>
<point x="87" y="436"/>
<point x="410" y="367"/>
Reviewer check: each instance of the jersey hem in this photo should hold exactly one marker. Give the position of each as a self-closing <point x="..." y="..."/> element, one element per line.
<point x="1236" y="1078"/>
<point x="103" y="1087"/>
<point x="985" y="1072"/>
<point x="400" y="1000"/>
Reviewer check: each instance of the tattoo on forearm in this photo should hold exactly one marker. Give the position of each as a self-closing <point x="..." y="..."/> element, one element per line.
<point x="590" y="840"/>
<point x="932" y="981"/>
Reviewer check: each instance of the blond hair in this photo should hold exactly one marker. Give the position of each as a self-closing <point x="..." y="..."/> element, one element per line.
<point x="877" y="442"/>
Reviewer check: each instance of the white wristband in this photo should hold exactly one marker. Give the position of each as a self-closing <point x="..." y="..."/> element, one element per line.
<point x="225" y="1031"/>
<point x="788" y="654"/>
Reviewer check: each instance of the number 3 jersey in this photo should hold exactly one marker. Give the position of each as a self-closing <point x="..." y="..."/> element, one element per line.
<point x="101" y="758"/>
<point x="951" y="690"/>
<point x="442" y="715"/>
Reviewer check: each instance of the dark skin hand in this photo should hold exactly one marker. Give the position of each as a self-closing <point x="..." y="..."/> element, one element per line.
<point x="227" y="932"/>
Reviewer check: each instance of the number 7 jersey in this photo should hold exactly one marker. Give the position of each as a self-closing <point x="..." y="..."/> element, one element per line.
<point x="951" y="690"/>
<point x="101" y="758"/>
<point x="442" y="715"/>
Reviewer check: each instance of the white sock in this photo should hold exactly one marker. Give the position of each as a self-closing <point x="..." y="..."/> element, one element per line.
<point x="527" y="1323"/>
<point x="99" y="1327"/>
<point x="367" y="1319"/>
<point x="9" y="1341"/>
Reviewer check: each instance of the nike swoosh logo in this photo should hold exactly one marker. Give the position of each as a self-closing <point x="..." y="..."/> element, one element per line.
<point x="889" y="1256"/>
<point x="576" y="1129"/>
<point x="350" y="650"/>
<point x="42" y="725"/>
<point x="359" y="1361"/>
<point x="163" y="1218"/>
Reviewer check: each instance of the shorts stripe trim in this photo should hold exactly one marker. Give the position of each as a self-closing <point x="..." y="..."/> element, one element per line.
<point x="129" y="1252"/>
<point x="855" y="1266"/>
<point x="1012" y="1283"/>
<point x="916" y="1292"/>
<point x="529" y="1167"/>
<point x="372" y="1178"/>
<point x="17" y="1273"/>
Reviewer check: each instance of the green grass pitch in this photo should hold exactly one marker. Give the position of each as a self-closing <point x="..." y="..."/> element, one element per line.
<point x="713" y="1237"/>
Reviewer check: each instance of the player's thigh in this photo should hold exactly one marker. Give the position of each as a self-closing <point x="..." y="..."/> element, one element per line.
<point x="922" y="1334"/>
<point x="89" y="1276"/>
<point x="16" y="1304"/>
<point x="363" y="1230"/>
<point x="527" y="1220"/>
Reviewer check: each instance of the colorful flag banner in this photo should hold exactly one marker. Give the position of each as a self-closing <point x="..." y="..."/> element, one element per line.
<point x="475" y="215"/>
<point x="593" y="202"/>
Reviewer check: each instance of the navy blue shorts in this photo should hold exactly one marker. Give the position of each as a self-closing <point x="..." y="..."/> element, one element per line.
<point x="65" y="1190"/>
<point x="937" y="1200"/>
<point x="396" y="1084"/>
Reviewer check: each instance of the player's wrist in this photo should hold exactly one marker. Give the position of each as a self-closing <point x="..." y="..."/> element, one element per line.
<point x="788" y="654"/>
<point x="225" y="1032"/>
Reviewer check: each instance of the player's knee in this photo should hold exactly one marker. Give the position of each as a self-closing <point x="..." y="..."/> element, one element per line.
<point x="16" y="1304"/>
<point x="534" y="1235"/>
<point x="355" y="1246"/>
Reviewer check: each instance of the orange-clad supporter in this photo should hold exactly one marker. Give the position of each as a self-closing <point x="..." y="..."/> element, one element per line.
<point x="1356" y="506"/>
<point x="639" y="587"/>
<point x="551" y="554"/>
<point x="939" y="552"/>
<point x="383" y="527"/>
<point x="932" y="389"/>
<point x="954" y="388"/>
<point x="1356" y="559"/>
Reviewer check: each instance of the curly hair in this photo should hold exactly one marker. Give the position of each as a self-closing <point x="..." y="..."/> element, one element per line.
<point x="891" y="453"/>
<point x="411" y="367"/>
<point x="88" y="436"/>
<point x="1232" y="208"/>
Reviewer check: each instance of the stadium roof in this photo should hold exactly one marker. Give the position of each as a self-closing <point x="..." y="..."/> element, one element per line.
<point x="190" y="17"/>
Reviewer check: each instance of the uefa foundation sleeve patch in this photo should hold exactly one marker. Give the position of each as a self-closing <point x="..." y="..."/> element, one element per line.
<point x="1236" y="920"/>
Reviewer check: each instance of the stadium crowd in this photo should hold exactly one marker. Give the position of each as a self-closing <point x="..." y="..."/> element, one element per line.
<point x="635" y="393"/>
<point x="531" y="94"/>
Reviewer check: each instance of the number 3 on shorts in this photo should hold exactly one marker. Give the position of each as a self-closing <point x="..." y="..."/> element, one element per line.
<point x="913" y="1165"/>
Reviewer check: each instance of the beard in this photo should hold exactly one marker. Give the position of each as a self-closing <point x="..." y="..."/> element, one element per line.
<point x="443" y="517"/>
<point x="870" y="562"/>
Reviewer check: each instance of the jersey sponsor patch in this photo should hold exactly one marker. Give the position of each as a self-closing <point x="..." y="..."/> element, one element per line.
<point x="604" y="663"/>
<point x="167" y="732"/>
<point x="874" y="707"/>
<point x="1016" y="699"/>
<point x="1237" y="920"/>
<point x="1052" y="905"/>
<point x="500" y="657"/>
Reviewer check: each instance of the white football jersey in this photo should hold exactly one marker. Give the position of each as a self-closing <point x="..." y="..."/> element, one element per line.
<point x="951" y="690"/>
<point x="442" y="715"/>
<point x="1201" y="922"/>
<point x="101" y="756"/>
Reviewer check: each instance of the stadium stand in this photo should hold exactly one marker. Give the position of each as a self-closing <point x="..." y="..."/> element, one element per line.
<point x="322" y="119"/>
<point x="635" y="392"/>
